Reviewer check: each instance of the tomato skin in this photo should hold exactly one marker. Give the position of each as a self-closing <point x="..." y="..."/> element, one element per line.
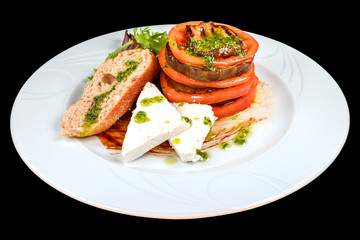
<point x="238" y="105"/>
<point x="217" y="96"/>
<point x="177" y="37"/>
<point x="182" y="78"/>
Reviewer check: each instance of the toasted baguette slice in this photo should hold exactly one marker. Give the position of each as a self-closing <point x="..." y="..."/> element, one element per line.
<point x="85" y="117"/>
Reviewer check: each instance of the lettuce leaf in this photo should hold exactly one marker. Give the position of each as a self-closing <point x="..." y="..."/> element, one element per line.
<point x="154" y="41"/>
<point x="119" y="50"/>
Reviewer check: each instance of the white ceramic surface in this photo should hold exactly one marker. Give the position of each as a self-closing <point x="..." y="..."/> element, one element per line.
<point x="308" y="126"/>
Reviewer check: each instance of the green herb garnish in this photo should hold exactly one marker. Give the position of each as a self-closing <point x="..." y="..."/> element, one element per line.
<point x="186" y="119"/>
<point x="207" y="121"/>
<point x="119" y="50"/>
<point x="153" y="41"/>
<point x="92" y="76"/>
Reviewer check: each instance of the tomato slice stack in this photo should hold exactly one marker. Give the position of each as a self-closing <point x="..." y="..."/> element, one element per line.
<point x="228" y="84"/>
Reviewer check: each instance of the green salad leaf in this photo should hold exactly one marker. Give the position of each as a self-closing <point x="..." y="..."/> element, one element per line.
<point x="119" y="50"/>
<point x="153" y="41"/>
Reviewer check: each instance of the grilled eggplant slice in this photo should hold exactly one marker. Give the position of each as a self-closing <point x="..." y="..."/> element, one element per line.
<point x="203" y="73"/>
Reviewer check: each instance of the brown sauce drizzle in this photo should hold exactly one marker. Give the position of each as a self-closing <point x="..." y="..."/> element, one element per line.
<point x="222" y="131"/>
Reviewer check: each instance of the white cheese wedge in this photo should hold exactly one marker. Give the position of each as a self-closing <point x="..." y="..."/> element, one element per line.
<point x="188" y="143"/>
<point x="153" y="121"/>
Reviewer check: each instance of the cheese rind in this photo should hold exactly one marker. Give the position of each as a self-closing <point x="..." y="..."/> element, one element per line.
<point x="188" y="142"/>
<point x="162" y="121"/>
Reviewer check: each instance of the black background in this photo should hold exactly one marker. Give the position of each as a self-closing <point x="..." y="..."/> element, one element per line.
<point x="34" y="33"/>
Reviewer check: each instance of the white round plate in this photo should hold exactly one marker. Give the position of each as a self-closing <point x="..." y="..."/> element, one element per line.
<point x="308" y="126"/>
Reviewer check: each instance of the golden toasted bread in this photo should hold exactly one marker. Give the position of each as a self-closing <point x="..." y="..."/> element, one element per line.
<point x="113" y="89"/>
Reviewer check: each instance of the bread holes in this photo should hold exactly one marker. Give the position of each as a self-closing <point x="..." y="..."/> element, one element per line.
<point x="106" y="83"/>
<point x="108" y="79"/>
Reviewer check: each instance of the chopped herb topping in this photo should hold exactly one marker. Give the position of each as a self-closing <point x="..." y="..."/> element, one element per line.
<point x="206" y="47"/>
<point x="186" y="119"/>
<point x="207" y="121"/>
<point x="93" y="113"/>
<point x="224" y="145"/>
<point x="146" y="102"/>
<point x="241" y="136"/>
<point x="141" y="117"/>
<point x="216" y="41"/>
<point x="203" y="155"/>
<point x="131" y="67"/>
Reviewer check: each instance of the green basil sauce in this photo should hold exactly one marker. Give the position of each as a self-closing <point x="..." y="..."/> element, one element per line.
<point x="207" y="121"/>
<point x="176" y="141"/>
<point x="141" y="117"/>
<point x="93" y="113"/>
<point x="213" y="42"/>
<point x="186" y="119"/>
<point x="216" y="41"/>
<point x="241" y="136"/>
<point x="203" y="155"/>
<point x="146" y="102"/>
<point x="209" y="135"/>
<point x="224" y="145"/>
<point x="209" y="60"/>
<point x="170" y="160"/>
<point x="131" y="67"/>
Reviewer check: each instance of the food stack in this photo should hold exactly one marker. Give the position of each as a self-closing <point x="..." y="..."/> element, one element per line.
<point x="209" y="63"/>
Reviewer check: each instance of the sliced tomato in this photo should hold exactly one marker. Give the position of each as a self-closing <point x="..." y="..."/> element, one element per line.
<point x="177" y="38"/>
<point x="238" y="105"/>
<point x="215" y="96"/>
<point x="182" y="78"/>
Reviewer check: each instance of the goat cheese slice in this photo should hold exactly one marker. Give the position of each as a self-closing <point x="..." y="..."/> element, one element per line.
<point x="188" y="143"/>
<point x="153" y="122"/>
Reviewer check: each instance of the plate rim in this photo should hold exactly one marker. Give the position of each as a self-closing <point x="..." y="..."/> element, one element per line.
<point x="280" y="195"/>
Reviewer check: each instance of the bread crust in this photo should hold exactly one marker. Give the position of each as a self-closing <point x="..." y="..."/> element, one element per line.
<point x="120" y="100"/>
